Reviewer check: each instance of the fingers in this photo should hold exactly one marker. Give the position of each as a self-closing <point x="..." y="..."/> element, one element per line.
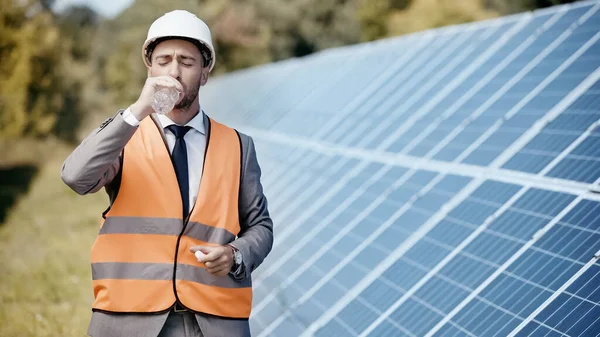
<point x="213" y="265"/>
<point x="143" y="106"/>
<point x="203" y="249"/>
<point x="167" y="82"/>
<point x="210" y="253"/>
<point x="204" y="257"/>
<point x="176" y="83"/>
<point x="222" y="272"/>
<point x="219" y="266"/>
<point x="216" y="260"/>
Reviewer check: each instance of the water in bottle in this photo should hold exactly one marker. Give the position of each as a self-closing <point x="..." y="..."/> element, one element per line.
<point x="164" y="100"/>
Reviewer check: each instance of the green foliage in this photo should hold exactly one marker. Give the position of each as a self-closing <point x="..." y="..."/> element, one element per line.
<point x="78" y="25"/>
<point x="373" y="16"/>
<point x="383" y="18"/>
<point x="426" y="14"/>
<point x="30" y="85"/>
<point x="41" y="79"/>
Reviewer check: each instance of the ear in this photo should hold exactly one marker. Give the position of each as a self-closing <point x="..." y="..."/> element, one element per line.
<point x="204" y="76"/>
<point x="148" y="64"/>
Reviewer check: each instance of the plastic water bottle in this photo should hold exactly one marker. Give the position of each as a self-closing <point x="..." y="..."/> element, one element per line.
<point x="164" y="100"/>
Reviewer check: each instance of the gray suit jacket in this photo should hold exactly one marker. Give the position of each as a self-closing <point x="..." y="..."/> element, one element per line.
<point x="95" y="163"/>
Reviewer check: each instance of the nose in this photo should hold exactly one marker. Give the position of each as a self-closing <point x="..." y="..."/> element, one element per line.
<point x="174" y="70"/>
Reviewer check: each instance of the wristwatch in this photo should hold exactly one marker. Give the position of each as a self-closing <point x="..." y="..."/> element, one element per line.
<point x="237" y="257"/>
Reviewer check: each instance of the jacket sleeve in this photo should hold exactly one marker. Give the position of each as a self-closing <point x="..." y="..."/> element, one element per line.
<point x="96" y="161"/>
<point x="255" y="239"/>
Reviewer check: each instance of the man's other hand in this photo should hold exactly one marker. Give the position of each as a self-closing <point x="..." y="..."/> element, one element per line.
<point x="218" y="260"/>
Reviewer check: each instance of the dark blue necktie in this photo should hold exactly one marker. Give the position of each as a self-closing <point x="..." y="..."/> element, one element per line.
<point x="180" y="162"/>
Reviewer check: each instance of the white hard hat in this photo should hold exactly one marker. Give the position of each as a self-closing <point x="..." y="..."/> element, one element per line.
<point x="180" y="23"/>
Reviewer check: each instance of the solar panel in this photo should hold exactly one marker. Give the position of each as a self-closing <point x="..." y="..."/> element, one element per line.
<point x="442" y="183"/>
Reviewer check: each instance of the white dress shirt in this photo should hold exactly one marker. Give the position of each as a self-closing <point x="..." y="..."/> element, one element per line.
<point x="195" y="142"/>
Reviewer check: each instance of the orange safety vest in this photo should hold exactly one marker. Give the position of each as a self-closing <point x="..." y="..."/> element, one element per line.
<point x="141" y="262"/>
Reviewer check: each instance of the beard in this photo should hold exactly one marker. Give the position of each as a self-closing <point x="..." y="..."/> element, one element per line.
<point x="188" y="97"/>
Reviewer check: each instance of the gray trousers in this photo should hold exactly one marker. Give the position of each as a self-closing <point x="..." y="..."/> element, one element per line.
<point x="181" y="324"/>
<point x="138" y="325"/>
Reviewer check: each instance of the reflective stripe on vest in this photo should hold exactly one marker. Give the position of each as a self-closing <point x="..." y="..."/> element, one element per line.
<point x="143" y="234"/>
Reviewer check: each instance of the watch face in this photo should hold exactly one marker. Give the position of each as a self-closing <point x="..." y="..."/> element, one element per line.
<point x="238" y="257"/>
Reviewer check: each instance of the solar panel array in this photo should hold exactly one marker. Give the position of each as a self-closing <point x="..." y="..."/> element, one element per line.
<point x="443" y="183"/>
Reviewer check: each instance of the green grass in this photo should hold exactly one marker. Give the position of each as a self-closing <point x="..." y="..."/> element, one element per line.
<point x="45" y="243"/>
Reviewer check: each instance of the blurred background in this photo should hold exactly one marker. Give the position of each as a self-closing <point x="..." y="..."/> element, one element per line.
<point x="67" y="65"/>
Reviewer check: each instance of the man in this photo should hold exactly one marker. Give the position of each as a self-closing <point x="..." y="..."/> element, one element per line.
<point x="187" y="222"/>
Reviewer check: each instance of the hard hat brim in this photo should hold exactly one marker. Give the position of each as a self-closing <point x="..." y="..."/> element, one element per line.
<point x="148" y="42"/>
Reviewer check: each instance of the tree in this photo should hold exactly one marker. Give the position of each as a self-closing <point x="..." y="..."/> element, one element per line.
<point x="30" y="85"/>
<point x="78" y="64"/>
<point x="78" y="26"/>
<point x="373" y="16"/>
<point x="384" y="18"/>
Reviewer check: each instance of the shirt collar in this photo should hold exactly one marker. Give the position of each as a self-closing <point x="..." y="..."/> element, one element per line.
<point x="196" y="123"/>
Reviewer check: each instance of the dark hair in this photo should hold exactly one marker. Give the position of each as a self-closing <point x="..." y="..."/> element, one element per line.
<point x="206" y="54"/>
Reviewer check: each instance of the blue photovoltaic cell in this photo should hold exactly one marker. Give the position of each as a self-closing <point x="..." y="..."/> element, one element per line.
<point x="540" y="152"/>
<point x="538" y="273"/>
<point x="436" y="245"/>
<point x="435" y="136"/>
<point x="350" y="274"/>
<point x="411" y="100"/>
<point x="506" y="135"/>
<point x="581" y="164"/>
<point x="434" y="183"/>
<point x="476" y="262"/>
<point x="575" y="312"/>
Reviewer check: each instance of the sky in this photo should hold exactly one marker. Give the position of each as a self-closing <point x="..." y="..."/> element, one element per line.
<point x="106" y="8"/>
